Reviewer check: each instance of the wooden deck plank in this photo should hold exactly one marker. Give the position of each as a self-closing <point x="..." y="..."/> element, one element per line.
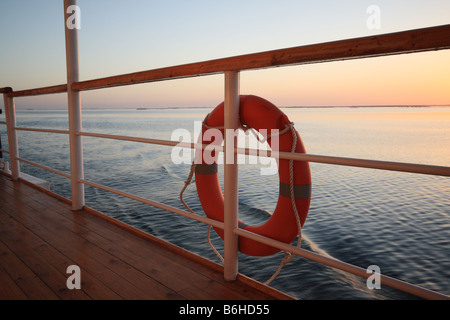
<point x="25" y="278"/>
<point x="159" y="262"/>
<point x="161" y="269"/>
<point x="51" y="252"/>
<point x="22" y="242"/>
<point x="40" y="236"/>
<point x="9" y="288"/>
<point x="91" y="259"/>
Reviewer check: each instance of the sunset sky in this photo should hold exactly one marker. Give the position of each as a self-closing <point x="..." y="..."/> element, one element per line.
<point x="118" y="37"/>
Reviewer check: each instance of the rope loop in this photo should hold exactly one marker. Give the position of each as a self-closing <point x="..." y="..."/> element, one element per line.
<point x="288" y="256"/>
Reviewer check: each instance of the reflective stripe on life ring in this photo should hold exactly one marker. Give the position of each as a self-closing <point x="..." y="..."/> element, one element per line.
<point x="258" y="113"/>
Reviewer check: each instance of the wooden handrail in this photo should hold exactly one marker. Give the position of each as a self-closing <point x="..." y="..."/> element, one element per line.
<point x="39" y="91"/>
<point x="6" y="90"/>
<point x="419" y="40"/>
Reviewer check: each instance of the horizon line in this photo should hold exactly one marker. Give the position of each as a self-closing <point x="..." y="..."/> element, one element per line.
<point x="206" y="107"/>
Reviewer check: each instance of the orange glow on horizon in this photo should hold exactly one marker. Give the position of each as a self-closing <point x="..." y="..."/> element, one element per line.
<point x="411" y="79"/>
<point x="414" y="79"/>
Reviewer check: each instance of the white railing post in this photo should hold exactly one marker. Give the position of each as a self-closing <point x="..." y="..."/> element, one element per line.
<point x="231" y="123"/>
<point x="74" y="106"/>
<point x="10" y="115"/>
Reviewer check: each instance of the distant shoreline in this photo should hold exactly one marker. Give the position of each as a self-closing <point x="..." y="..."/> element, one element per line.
<point x="204" y="107"/>
<point x="313" y="107"/>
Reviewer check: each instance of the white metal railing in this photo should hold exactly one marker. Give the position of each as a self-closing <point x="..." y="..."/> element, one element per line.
<point x="412" y="41"/>
<point x="41" y="130"/>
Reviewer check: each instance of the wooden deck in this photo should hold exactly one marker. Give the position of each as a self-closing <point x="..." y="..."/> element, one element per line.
<point x="40" y="236"/>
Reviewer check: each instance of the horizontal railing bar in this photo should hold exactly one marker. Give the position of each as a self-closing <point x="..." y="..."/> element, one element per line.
<point x="133" y="139"/>
<point x="45" y="168"/>
<point x="42" y="130"/>
<point x="391" y="282"/>
<point x="207" y="221"/>
<point x="372" y="164"/>
<point x="5" y="151"/>
<point x="352" y="162"/>
<point x="149" y="141"/>
<point x="3" y="122"/>
<point x="419" y="40"/>
<point x="39" y="91"/>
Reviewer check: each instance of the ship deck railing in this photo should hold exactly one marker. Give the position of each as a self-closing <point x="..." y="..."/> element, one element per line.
<point x="405" y="42"/>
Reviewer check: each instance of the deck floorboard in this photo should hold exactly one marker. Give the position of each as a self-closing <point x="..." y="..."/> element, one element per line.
<point x="40" y="236"/>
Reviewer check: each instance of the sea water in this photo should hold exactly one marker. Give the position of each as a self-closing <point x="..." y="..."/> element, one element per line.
<point x="399" y="222"/>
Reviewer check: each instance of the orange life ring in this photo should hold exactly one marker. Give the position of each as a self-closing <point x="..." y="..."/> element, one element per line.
<point x="258" y="113"/>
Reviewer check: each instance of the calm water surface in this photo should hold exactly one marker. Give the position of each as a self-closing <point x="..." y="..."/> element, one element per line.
<point x="398" y="221"/>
